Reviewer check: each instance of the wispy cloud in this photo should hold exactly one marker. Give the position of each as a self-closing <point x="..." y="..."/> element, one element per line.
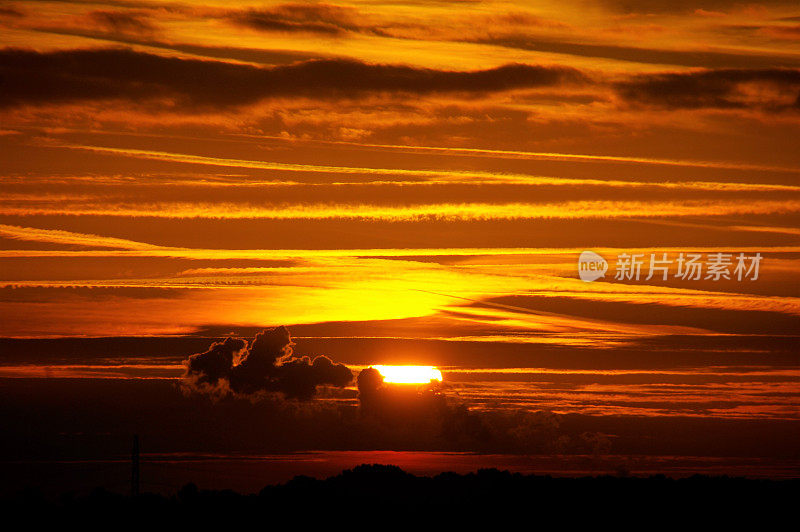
<point x="440" y="211"/>
<point x="456" y="175"/>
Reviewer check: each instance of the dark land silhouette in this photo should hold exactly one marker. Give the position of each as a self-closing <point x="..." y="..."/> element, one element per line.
<point x="386" y="494"/>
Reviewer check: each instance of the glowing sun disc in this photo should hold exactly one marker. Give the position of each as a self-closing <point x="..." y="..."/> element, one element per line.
<point x="409" y="374"/>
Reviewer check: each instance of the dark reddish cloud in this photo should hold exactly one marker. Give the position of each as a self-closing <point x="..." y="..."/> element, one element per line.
<point x="6" y="11"/>
<point x="636" y="54"/>
<point x="689" y="6"/>
<point x="123" y="22"/>
<point x="426" y="410"/>
<point x="782" y="32"/>
<point x="323" y="19"/>
<point x="718" y="89"/>
<point x="331" y="20"/>
<point x="29" y="77"/>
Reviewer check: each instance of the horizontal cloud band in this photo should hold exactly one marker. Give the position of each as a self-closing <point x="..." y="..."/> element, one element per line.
<point x="33" y="78"/>
<point x="440" y="211"/>
<point x="30" y="77"/>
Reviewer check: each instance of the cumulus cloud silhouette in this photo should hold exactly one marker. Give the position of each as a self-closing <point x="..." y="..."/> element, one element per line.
<point x="264" y="365"/>
<point x="387" y="415"/>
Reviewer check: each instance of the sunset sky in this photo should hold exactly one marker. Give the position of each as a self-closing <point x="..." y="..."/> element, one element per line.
<point x="409" y="183"/>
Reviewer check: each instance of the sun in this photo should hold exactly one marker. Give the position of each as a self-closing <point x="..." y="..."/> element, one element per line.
<point x="409" y="374"/>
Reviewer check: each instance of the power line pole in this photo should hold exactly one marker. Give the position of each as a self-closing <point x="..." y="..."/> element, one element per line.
<point x="135" y="467"/>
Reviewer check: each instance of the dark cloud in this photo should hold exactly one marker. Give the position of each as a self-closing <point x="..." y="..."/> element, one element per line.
<point x="6" y="11"/>
<point x="326" y="19"/>
<point x="264" y="365"/>
<point x="323" y="19"/>
<point x="28" y="77"/>
<point x="55" y="419"/>
<point x="688" y="6"/>
<point x="405" y="413"/>
<point x="214" y="365"/>
<point x="369" y="381"/>
<point x="249" y="55"/>
<point x="122" y="22"/>
<point x="783" y="32"/>
<point x="690" y="58"/>
<point x="398" y="404"/>
<point x="772" y="90"/>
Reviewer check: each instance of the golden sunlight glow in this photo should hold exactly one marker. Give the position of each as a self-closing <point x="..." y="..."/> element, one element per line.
<point x="409" y="374"/>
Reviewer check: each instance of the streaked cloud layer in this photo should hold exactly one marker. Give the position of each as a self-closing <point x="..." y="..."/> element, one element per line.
<point x="170" y="167"/>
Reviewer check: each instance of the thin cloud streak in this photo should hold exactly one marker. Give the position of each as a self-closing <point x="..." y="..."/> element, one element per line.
<point x="270" y="254"/>
<point x="436" y="211"/>
<point x="242" y="163"/>
<point x="327" y="282"/>
<point x="57" y="236"/>
<point x="585" y="157"/>
<point x="442" y="177"/>
<point x="125" y="247"/>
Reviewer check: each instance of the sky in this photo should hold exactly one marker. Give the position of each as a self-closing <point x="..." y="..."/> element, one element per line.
<point x="411" y="183"/>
